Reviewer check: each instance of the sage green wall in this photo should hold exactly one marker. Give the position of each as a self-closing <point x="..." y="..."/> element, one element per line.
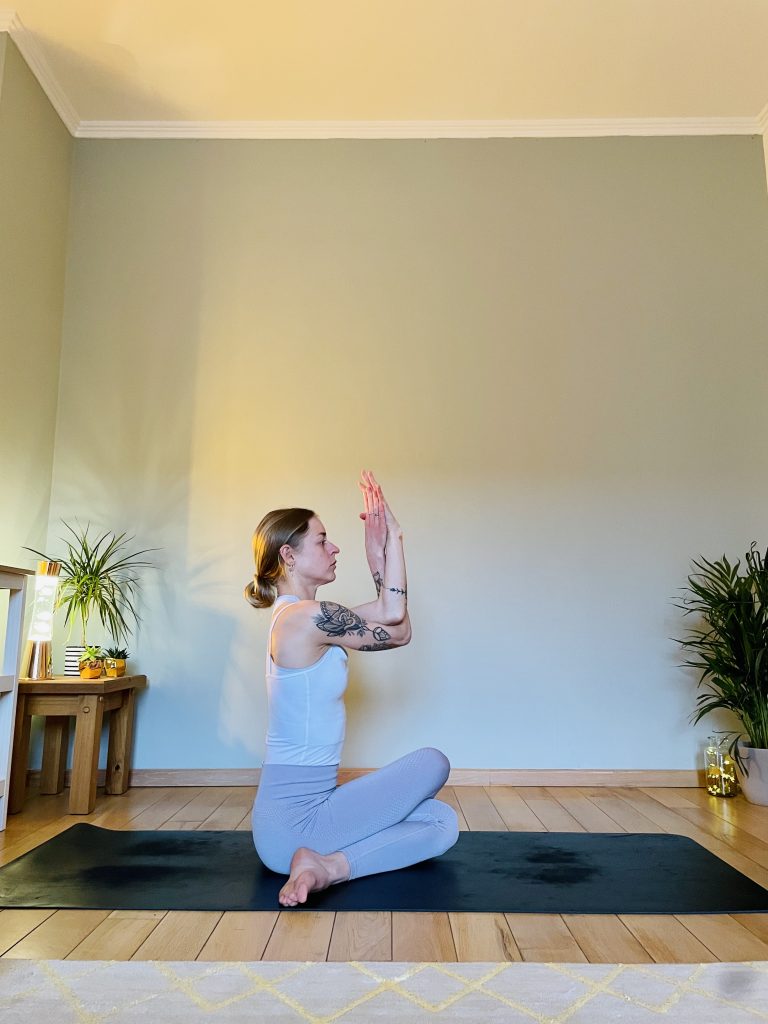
<point x="35" y="164"/>
<point x="551" y="351"/>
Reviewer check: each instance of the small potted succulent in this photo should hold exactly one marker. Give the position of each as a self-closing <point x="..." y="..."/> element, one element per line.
<point x="91" y="663"/>
<point x="114" y="661"/>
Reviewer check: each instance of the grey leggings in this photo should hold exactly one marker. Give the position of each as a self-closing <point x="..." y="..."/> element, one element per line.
<point x="385" y="820"/>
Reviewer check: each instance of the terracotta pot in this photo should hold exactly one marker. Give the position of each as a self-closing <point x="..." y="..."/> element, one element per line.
<point x="115" y="666"/>
<point x="86" y="672"/>
<point x="754" y="785"/>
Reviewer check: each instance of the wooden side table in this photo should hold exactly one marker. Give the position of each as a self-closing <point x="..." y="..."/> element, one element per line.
<point x="87" y="700"/>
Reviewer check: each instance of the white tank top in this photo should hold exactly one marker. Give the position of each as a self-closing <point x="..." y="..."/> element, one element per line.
<point x="307" y="718"/>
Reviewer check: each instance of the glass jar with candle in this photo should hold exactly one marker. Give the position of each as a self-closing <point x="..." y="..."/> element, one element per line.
<point x="720" y="767"/>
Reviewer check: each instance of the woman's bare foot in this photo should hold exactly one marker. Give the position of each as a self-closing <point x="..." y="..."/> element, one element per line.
<point x="310" y="872"/>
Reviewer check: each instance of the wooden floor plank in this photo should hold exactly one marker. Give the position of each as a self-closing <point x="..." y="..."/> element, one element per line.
<point x="33" y="839"/>
<point x="167" y="807"/>
<point x="230" y="811"/>
<point x="553" y="816"/>
<point x="606" y="939"/>
<point x="733" y="836"/>
<point x="666" y="940"/>
<point x="672" y="797"/>
<point x="118" y="811"/>
<point x="583" y="810"/>
<point x="513" y="810"/>
<point x="118" y="936"/>
<point x="240" y="935"/>
<point x="725" y="937"/>
<point x="180" y="935"/>
<point x="448" y="794"/>
<point x="361" y="935"/>
<point x="57" y="936"/>
<point x="300" y="935"/>
<point x="15" y="924"/>
<point x="620" y="811"/>
<point x="422" y="937"/>
<point x="478" y="811"/>
<point x="38" y="811"/>
<point x="483" y="937"/>
<point x="203" y="806"/>
<point x="544" y="938"/>
<point x="757" y="923"/>
<point x="737" y="811"/>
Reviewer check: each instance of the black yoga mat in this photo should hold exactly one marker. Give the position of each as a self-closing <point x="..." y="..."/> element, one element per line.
<point x="512" y="872"/>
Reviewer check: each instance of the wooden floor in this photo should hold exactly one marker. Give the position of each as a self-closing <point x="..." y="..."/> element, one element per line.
<point x="733" y="829"/>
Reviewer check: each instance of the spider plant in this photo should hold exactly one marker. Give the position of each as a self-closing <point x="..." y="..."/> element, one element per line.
<point x="731" y="648"/>
<point x="99" y="577"/>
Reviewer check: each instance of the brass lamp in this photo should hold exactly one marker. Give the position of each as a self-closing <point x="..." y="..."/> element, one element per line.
<point x="37" y="657"/>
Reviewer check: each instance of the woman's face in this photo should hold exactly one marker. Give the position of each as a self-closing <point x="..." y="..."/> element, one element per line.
<point x="315" y="559"/>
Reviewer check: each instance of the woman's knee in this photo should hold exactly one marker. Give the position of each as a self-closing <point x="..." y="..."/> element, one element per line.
<point x="438" y="762"/>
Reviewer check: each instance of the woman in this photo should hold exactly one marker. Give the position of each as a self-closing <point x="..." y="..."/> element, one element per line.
<point x="304" y="825"/>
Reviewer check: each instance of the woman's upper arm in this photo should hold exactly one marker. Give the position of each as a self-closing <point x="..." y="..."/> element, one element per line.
<point x="344" y="627"/>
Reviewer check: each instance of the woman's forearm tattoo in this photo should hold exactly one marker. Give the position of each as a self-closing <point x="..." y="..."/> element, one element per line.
<point x="378" y="647"/>
<point x="336" y="620"/>
<point x="379" y="581"/>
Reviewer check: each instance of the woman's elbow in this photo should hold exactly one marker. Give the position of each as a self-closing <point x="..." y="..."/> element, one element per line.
<point x="404" y="634"/>
<point x="389" y="618"/>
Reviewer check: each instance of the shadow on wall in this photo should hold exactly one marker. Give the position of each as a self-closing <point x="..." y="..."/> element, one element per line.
<point x="109" y="88"/>
<point x="127" y="405"/>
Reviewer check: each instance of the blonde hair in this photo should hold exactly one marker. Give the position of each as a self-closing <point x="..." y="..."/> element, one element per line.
<point x="282" y="526"/>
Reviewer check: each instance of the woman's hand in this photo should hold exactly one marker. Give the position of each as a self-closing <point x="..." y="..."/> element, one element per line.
<point x="393" y="527"/>
<point x="375" y="523"/>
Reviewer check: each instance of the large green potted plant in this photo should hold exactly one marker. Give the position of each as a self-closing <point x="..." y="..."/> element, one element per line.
<point x="99" y="578"/>
<point x="730" y="650"/>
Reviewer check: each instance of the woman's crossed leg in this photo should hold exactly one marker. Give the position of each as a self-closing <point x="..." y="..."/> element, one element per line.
<point x="382" y="821"/>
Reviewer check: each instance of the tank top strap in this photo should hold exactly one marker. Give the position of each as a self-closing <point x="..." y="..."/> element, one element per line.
<point x="275" y="616"/>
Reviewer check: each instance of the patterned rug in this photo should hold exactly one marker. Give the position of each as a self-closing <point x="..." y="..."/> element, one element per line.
<point x="106" y="992"/>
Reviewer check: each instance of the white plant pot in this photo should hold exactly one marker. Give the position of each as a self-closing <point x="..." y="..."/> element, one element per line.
<point x="754" y="785"/>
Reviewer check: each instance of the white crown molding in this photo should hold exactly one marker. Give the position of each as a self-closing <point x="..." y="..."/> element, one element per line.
<point x="561" y="128"/>
<point x="32" y="53"/>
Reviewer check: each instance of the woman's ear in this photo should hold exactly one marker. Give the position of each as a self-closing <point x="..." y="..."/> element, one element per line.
<point x="286" y="553"/>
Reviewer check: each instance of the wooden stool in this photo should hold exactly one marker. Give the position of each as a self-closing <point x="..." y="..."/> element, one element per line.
<point x="87" y="699"/>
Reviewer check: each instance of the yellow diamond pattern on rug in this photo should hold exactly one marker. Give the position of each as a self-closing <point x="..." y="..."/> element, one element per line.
<point x="108" y="992"/>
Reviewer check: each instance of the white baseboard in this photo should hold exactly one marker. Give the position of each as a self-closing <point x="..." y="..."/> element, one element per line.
<point x="676" y="778"/>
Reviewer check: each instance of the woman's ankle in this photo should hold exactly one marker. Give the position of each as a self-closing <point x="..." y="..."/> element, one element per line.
<point x="343" y="869"/>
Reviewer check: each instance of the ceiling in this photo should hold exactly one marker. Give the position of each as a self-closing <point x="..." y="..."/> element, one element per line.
<point x="228" y="68"/>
